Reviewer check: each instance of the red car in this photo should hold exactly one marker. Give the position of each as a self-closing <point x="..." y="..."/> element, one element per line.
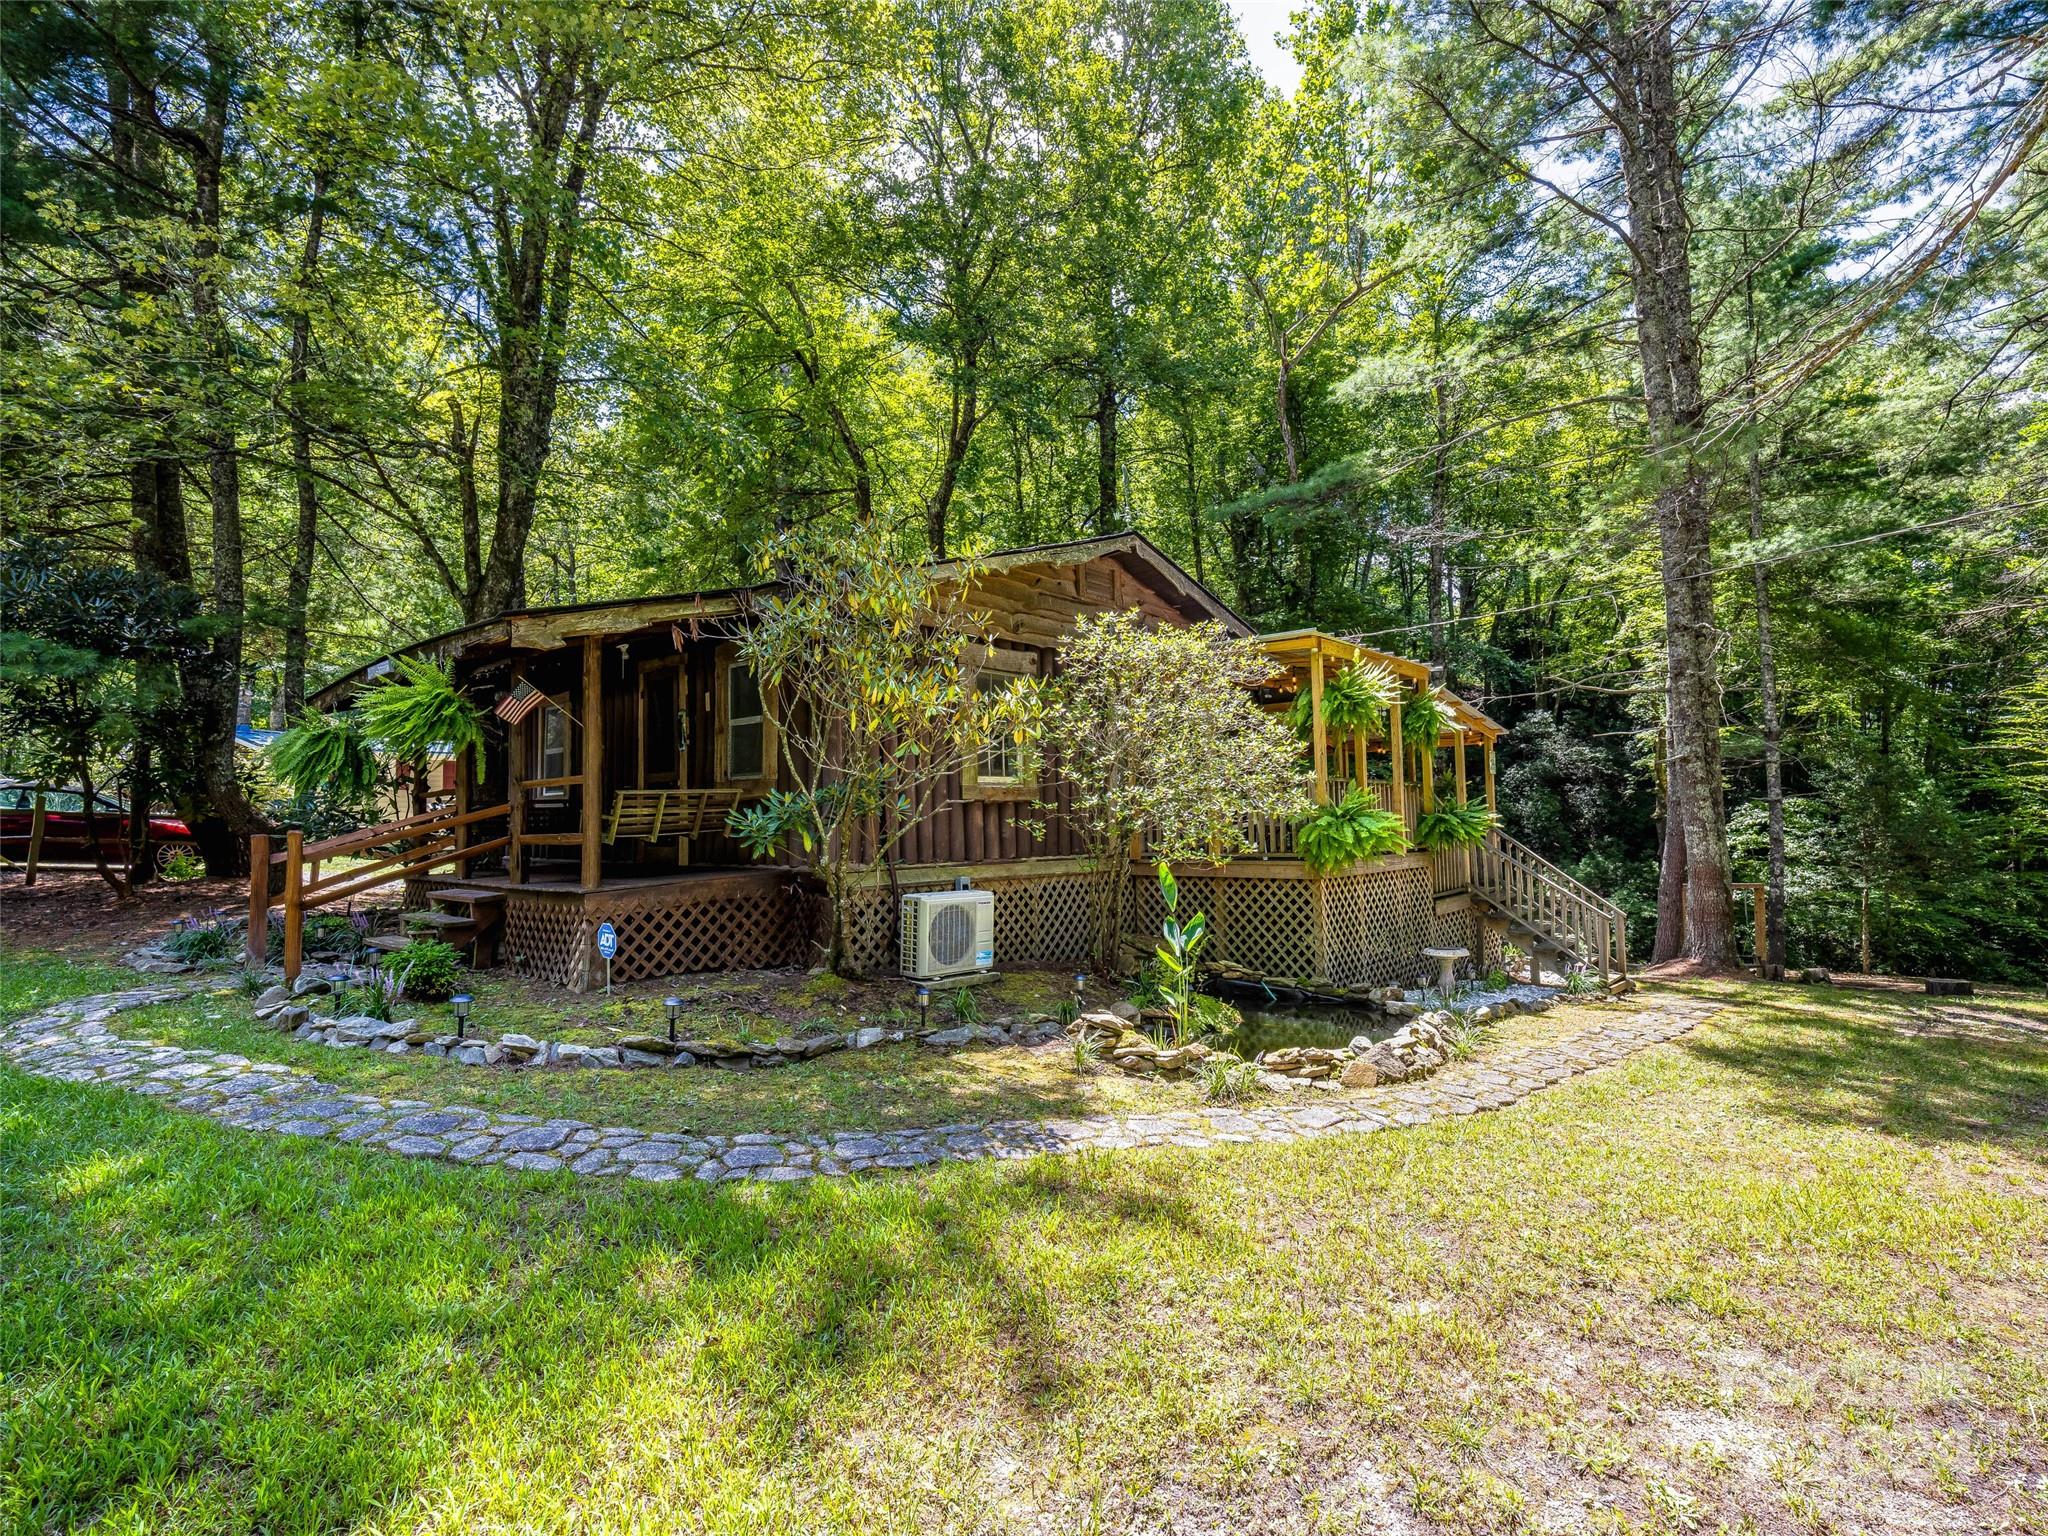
<point x="64" y="835"/>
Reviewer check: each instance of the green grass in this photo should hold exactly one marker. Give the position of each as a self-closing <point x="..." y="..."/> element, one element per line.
<point x="29" y="981"/>
<point x="1785" y="1275"/>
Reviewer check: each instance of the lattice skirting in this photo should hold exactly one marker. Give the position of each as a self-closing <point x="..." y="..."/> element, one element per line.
<point x="665" y="931"/>
<point x="1041" y="919"/>
<point x="1367" y="927"/>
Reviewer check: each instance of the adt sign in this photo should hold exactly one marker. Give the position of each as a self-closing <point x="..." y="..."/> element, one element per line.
<point x="607" y="940"/>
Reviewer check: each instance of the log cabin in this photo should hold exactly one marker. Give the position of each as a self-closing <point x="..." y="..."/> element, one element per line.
<point x="642" y="727"/>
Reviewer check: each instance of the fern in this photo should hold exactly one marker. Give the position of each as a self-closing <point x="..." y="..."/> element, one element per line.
<point x="1453" y="826"/>
<point x="325" y="752"/>
<point x="423" y="715"/>
<point x="1423" y="718"/>
<point x="1336" y="836"/>
<point x="1353" y="701"/>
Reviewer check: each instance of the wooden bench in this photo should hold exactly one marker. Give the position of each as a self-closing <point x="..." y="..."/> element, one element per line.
<point x="649" y="815"/>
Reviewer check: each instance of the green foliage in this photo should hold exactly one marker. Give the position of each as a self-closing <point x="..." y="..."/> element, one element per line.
<point x="335" y="933"/>
<point x="1227" y="1080"/>
<point x="1158" y="736"/>
<point x="182" y="866"/>
<point x="1453" y="826"/>
<point x="418" y="713"/>
<point x="966" y="1005"/>
<point x="864" y="661"/>
<point x="1423" y="720"/>
<point x="1336" y="836"/>
<point x="326" y="754"/>
<point x="426" y="970"/>
<point x="201" y="942"/>
<point x="1179" y="958"/>
<point x="1086" y="1050"/>
<point x="781" y="820"/>
<point x="1354" y="699"/>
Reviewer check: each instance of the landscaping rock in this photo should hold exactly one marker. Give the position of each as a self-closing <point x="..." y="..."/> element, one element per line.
<point x="1360" y="1074"/>
<point x="651" y="1045"/>
<point x="866" y="1037"/>
<point x="273" y="997"/>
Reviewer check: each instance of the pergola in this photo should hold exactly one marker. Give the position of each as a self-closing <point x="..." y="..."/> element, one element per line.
<point x="1308" y="657"/>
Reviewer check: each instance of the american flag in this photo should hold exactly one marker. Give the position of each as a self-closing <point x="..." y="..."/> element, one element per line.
<point x="522" y="701"/>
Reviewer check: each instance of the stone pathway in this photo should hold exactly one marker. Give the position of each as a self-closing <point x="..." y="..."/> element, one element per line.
<point x="71" y="1042"/>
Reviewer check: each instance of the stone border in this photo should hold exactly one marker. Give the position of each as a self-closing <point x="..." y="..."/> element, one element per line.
<point x="71" y="1042"/>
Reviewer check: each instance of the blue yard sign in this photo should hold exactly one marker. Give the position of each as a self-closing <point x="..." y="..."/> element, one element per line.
<point x="607" y="945"/>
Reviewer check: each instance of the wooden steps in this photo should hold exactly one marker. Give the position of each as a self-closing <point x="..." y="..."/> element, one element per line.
<point x="472" y="925"/>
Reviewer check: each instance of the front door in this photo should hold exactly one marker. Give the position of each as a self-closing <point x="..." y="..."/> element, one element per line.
<point x="664" y="729"/>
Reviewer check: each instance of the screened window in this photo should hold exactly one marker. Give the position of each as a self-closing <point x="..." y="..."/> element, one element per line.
<point x="746" y="725"/>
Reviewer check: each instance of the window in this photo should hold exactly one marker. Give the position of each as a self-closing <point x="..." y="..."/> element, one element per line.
<point x="1002" y="760"/>
<point x="746" y="725"/>
<point x="550" y="750"/>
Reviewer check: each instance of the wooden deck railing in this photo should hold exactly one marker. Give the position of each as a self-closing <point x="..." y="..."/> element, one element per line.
<point x="1535" y="892"/>
<point x="398" y="850"/>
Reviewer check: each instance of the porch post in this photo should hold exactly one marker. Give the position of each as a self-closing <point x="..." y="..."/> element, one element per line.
<point x="1429" y="776"/>
<point x="1315" y="699"/>
<point x="515" y="797"/>
<point x="1399" y="754"/>
<point x="593" y="762"/>
<point x="1358" y="759"/>
<point x="1492" y="803"/>
<point x="1463" y="794"/>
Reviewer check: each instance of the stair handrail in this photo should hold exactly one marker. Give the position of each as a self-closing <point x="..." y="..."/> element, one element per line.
<point x="1597" y="927"/>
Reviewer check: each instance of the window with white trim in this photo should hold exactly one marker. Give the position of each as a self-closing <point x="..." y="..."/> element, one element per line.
<point x="550" y="757"/>
<point x="1002" y="758"/>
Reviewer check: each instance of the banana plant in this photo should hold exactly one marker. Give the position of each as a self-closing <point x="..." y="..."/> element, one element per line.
<point x="1180" y="955"/>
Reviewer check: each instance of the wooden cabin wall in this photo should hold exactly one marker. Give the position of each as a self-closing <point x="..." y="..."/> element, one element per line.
<point x="1030" y="608"/>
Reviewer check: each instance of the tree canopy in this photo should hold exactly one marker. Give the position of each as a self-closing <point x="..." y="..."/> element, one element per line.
<point x="1668" y="374"/>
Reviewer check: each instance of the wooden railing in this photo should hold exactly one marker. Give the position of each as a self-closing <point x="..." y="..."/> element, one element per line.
<point x="1543" y="898"/>
<point x="398" y="850"/>
<point x="1273" y="837"/>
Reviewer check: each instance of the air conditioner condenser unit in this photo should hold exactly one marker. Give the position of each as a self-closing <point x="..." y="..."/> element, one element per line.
<point x="947" y="933"/>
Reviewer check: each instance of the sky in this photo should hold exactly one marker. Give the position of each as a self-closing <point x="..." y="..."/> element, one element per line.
<point x="1261" y="21"/>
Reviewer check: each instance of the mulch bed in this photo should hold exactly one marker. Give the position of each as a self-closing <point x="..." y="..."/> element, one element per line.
<point x="73" y="912"/>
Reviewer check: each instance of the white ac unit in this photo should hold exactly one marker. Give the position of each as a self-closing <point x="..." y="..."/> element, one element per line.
<point x="947" y="933"/>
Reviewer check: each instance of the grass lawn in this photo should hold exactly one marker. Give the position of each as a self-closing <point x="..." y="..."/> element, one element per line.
<point x="1789" y="1274"/>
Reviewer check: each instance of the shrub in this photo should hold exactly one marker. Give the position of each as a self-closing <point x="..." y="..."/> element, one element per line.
<point x="1333" y="837"/>
<point x="1087" y="1052"/>
<point x="184" y="866"/>
<point x="1453" y="826"/>
<point x="426" y="970"/>
<point x="1211" y="1018"/>
<point x="966" y="1006"/>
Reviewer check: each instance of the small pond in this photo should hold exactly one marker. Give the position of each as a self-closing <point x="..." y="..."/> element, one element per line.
<point x="1329" y="1024"/>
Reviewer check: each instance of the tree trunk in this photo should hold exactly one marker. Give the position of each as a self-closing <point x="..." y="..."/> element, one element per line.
<point x="213" y="680"/>
<point x="959" y="434"/>
<point x="299" y="581"/>
<point x="1107" y="406"/>
<point x="1771" y="963"/>
<point x="1668" y="345"/>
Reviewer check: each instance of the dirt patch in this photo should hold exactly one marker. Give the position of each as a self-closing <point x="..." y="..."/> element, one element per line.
<point x="76" y="912"/>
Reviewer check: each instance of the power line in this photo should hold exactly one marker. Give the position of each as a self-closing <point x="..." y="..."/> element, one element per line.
<point x="1610" y="594"/>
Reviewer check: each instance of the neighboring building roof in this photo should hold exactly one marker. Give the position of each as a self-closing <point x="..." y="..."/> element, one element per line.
<point x="555" y="625"/>
<point x="254" y="737"/>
